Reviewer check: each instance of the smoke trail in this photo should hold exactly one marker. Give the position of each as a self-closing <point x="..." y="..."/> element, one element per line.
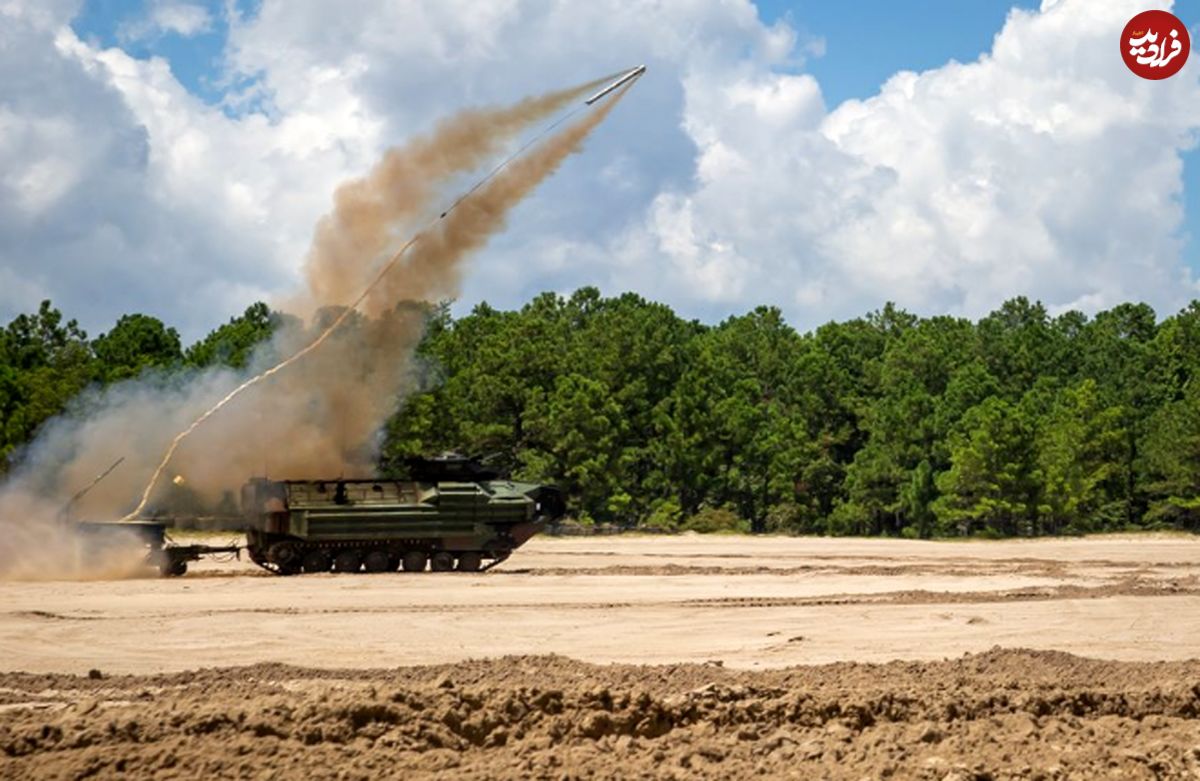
<point x="324" y="335"/>
<point x="396" y="196"/>
<point x="320" y="417"/>
<point x="431" y="268"/>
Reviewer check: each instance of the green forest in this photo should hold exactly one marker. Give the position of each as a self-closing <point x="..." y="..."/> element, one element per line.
<point x="1019" y="424"/>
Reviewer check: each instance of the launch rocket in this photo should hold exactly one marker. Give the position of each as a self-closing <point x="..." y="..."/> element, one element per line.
<point x="625" y="79"/>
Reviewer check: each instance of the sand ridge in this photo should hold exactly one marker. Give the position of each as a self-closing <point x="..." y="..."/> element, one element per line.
<point x="997" y="715"/>
<point x="626" y="657"/>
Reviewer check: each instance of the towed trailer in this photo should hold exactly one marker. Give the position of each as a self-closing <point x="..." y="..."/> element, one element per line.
<point x="169" y="558"/>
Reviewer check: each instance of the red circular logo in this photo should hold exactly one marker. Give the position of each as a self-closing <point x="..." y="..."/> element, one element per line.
<point x="1155" y="44"/>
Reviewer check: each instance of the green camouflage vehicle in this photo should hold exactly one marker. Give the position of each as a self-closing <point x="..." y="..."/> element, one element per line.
<point x="451" y="514"/>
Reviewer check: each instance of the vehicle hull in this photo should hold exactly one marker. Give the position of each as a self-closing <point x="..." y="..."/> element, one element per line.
<point x="303" y="526"/>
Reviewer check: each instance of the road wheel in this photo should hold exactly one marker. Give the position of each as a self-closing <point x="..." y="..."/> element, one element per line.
<point x="257" y="555"/>
<point x="173" y="568"/>
<point x="284" y="554"/>
<point x="347" y="561"/>
<point x="414" y="561"/>
<point x="469" y="561"/>
<point x="442" y="561"/>
<point x="316" y="561"/>
<point x="377" y="561"/>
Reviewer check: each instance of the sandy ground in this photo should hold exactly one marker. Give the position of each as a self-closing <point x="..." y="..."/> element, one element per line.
<point x="747" y="602"/>
<point x="625" y="657"/>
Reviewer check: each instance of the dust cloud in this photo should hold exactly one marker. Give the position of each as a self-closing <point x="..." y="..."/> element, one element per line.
<point x="38" y="541"/>
<point x="321" y="416"/>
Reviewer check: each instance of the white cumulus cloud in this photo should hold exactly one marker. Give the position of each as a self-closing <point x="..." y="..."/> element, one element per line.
<point x="167" y="16"/>
<point x="723" y="181"/>
<point x="1043" y="168"/>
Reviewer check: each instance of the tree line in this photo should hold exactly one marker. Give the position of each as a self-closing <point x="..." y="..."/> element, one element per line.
<point x="1017" y="424"/>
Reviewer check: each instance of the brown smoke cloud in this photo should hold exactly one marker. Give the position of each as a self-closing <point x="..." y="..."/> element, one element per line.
<point x="432" y="271"/>
<point x="372" y="215"/>
<point x="320" y="416"/>
<point x="360" y="377"/>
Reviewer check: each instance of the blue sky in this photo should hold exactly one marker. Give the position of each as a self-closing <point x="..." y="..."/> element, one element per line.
<point x="868" y="40"/>
<point x="195" y="59"/>
<point x="864" y="43"/>
<point x="772" y="155"/>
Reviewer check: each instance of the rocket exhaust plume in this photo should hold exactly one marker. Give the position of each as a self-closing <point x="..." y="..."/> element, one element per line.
<point x="322" y="415"/>
<point x="396" y="197"/>
<point x="354" y="387"/>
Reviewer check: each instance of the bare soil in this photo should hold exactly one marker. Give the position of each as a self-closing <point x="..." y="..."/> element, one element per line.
<point x="1002" y="714"/>
<point x="624" y="658"/>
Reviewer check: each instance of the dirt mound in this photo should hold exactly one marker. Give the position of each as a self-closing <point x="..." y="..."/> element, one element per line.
<point x="1002" y="714"/>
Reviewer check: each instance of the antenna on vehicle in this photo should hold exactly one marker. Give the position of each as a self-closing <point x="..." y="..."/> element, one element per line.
<point x="65" y="513"/>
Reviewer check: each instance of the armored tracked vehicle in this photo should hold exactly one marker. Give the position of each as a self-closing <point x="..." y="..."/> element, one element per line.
<point x="450" y="514"/>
